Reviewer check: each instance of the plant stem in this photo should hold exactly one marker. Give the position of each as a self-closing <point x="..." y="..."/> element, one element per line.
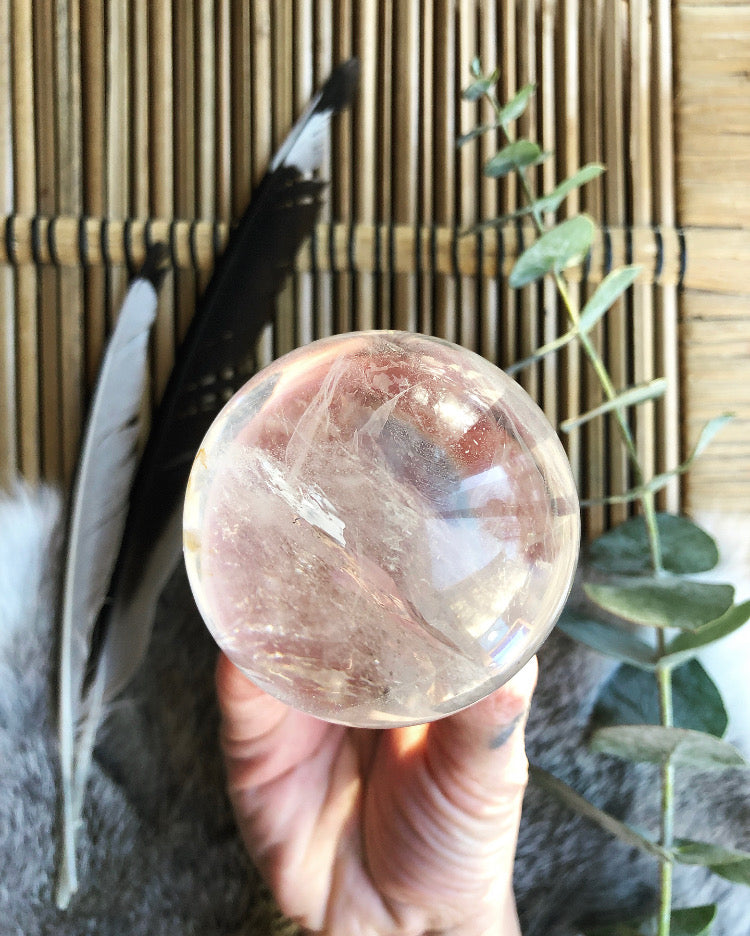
<point x="666" y="716"/>
<point x="648" y="506"/>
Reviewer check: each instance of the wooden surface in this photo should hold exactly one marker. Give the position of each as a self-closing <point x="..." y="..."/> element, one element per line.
<point x="713" y="163"/>
<point x="127" y="111"/>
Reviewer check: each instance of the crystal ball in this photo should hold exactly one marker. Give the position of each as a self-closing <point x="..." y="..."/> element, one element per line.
<point x="380" y="528"/>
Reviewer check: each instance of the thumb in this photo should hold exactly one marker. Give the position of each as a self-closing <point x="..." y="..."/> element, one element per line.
<point x="485" y="742"/>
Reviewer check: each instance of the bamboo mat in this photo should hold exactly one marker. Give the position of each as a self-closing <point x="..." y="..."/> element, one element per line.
<point x="131" y="120"/>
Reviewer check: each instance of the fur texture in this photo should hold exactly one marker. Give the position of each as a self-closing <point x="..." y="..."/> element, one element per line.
<point x="158" y="850"/>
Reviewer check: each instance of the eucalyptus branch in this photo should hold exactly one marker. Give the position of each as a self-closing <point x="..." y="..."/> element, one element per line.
<point x="648" y="506"/>
<point x="595" y="359"/>
<point x="518" y="156"/>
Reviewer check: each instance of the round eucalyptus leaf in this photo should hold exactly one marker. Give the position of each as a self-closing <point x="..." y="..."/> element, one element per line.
<point x="630" y="697"/>
<point x="653" y="602"/>
<point x="686" y="645"/>
<point x="688" y="921"/>
<point x="655" y="744"/>
<point x="693" y="921"/>
<point x="727" y="862"/>
<point x="736" y="871"/>
<point x="560" y="247"/>
<point x="514" y="156"/>
<point x="685" y="547"/>
<point x="607" y="639"/>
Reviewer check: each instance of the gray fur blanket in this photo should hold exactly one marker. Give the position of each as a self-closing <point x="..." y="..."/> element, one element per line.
<point x="158" y="851"/>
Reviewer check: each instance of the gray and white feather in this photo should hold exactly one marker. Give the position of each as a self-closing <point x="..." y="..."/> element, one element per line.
<point x="99" y="506"/>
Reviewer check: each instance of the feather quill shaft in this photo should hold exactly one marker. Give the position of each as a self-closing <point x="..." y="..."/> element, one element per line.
<point x="215" y="359"/>
<point x="98" y="510"/>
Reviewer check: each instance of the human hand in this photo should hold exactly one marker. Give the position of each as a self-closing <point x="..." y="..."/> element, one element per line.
<point x="398" y="832"/>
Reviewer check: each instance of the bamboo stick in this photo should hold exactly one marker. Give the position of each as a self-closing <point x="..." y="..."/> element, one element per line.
<point x="615" y="196"/>
<point x="384" y="118"/>
<point x="262" y="127"/>
<point x="509" y="84"/>
<point x="466" y="311"/>
<point x="283" y="118"/>
<point x="117" y="122"/>
<point x="204" y="66"/>
<point x="304" y="86"/>
<point x="69" y="201"/>
<point x="405" y="162"/>
<point x="46" y="91"/>
<point x="426" y="158"/>
<point x="161" y="99"/>
<point x="668" y="340"/>
<point x="641" y="196"/>
<point x="24" y="172"/>
<point x="527" y="301"/>
<point x="366" y="179"/>
<point x="185" y="182"/>
<point x="8" y="404"/>
<point x="322" y="64"/>
<point x="223" y="104"/>
<point x="489" y="205"/>
<point x="341" y="164"/>
<point x="444" y="159"/>
<point x="549" y="324"/>
<point x="137" y="150"/>
<point x="579" y="393"/>
<point x="242" y="106"/>
<point x="592" y="68"/>
<point x="137" y="142"/>
<point x="93" y="85"/>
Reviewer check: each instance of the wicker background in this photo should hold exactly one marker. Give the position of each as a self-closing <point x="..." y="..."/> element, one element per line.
<point x="128" y="119"/>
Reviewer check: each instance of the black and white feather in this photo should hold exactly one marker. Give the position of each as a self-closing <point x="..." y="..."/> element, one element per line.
<point x="215" y="358"/>
<point x="217" y="354"/>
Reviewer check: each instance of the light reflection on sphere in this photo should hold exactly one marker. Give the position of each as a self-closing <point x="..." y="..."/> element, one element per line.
<point x="380" y="528"/>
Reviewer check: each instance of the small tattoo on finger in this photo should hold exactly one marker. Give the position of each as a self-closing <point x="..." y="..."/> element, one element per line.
<point x="505" y="733"/>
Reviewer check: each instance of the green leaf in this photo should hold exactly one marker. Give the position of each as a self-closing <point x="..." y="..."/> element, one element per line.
<point x="738" y="872"/>
<point x="630" y="697"/>
<point x="473" y="134"/>
<point x="555" y="198"/>
<point x="475" y="67"/>
<point x="686" y="645"/>
<point x="610" y="289"/>
<point x="516" y="155"/>
<point x="655" y="744"/>
<point x="692" y="921"/>
<point x="549" y="348"/>
<point x="728" y="863"/>
<point x="662" y="480"/>
<point x="516" y="106"/>
<point x="712" y="427"/>
<point x="625" y="550"/>
<point x="560" y="247"/>
<point x="612" y="641"/>
<point x="631" y="397"/>
<point x="663" y="602"/>
<point x="478" y="88"/>
<point x="500" y="221"/>
<point x="567" y="795"/>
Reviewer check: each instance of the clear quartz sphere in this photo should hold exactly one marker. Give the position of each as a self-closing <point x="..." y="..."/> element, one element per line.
<point x="380" y="528"/>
